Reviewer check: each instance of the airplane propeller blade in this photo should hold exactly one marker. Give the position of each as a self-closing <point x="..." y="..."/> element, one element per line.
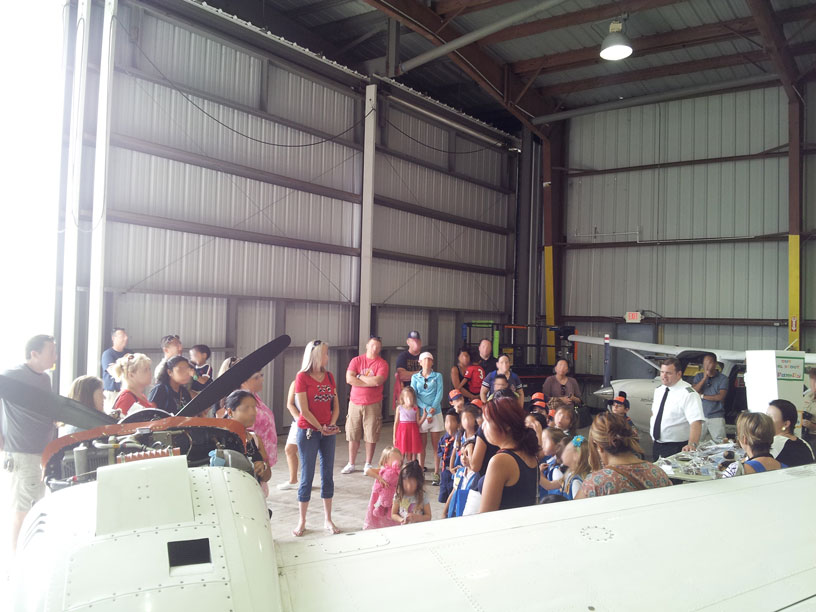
<point x="52" y="406"/>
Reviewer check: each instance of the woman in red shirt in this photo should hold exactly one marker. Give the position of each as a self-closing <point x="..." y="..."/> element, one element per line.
<point x="135" y="373"/>
<point x="317" y="425"/>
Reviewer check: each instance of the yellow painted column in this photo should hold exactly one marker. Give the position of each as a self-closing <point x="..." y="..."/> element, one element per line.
<point x="549" y="300"/>
<point x="794" y="292"/>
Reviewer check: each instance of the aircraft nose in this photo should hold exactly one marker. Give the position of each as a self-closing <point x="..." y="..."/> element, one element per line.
<point x="606" y="393"/>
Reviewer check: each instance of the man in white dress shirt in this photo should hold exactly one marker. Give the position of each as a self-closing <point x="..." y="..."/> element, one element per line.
<point x="677" y="413"/>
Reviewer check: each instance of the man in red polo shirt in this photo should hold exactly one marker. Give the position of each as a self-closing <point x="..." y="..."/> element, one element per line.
<point x="366" y="374"/>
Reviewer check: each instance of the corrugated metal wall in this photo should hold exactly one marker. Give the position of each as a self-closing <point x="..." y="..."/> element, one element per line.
<point x="193" y="118"/>
<point x="735" y="199"/>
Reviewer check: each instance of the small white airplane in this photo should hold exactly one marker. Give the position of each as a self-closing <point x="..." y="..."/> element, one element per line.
<point x="640" y="391"/>
<point x="141" y="520"/>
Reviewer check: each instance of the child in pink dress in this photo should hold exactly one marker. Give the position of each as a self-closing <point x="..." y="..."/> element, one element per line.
<point x="406" y="425"/>
<point x="382" y="493"/>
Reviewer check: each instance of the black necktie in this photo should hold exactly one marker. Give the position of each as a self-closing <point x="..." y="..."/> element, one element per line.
<point x="659" y="418"/>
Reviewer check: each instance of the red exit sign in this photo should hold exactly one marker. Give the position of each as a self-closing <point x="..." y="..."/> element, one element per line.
<point x="633" y="317"/>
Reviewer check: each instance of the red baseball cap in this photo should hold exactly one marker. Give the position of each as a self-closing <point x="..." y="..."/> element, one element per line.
<point x="539" y="396"/>
<point x="477" y="402"/>
<point x="454" y="394"/>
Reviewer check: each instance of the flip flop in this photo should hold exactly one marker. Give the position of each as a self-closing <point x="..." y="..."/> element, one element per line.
<point x="298" y="532"/>
<point x="334" y="530"/>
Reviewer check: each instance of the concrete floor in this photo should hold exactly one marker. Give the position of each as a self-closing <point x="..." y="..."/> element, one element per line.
<point x="351" y="493"/>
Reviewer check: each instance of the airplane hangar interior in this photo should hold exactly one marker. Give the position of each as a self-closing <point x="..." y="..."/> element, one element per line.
<point x="352" y="305"/>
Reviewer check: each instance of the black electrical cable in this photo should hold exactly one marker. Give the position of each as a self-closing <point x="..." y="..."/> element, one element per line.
<point x="433" y="148"/>
<point x="229" y="127"/>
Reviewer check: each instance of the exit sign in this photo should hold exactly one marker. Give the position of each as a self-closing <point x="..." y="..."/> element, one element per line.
<point x="633" y="317"/>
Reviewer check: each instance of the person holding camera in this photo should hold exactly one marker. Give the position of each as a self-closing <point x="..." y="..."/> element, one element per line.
<point x="316" y="395"/>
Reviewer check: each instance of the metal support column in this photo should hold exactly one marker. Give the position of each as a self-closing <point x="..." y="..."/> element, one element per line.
<point x="366" y="234"/>
<point x="549" y="245"/>
<point x="392" y="53"/>
<point x="521" y="313"/>
<point x="795" y="133"/>
<point x="280" y="388"/>
<point x="97" y="278"/>
<point x="70" y="254"/>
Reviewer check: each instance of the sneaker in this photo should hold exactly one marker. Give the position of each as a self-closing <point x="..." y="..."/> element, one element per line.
<point x="287" y="486"/>
<point x="435" y="480"/>
<point x="348" y="469"/>
<point x="367" y="467"/>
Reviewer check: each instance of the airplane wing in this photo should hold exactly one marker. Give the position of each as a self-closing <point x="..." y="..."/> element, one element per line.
<point x="670" y="349"/>
<point x="678" y="548"/>
<point x="662" y="349"/>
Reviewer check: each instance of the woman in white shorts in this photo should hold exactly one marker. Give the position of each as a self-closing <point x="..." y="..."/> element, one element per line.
<point x="427" y="385"/>
<point x="291" y="448"/>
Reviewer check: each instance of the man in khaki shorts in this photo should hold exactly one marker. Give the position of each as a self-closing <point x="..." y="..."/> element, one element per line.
<point x="26" y="433"/>
<point x="366" y="374"/>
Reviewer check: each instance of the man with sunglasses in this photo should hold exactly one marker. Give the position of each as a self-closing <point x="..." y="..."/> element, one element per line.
<point x="366" y="374"/>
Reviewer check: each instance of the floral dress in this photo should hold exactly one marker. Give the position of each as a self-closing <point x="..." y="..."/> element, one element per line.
<point x="264" y="428"/>
<point x="625" y="478"/>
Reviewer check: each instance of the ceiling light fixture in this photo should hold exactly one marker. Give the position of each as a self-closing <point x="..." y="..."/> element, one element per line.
<point x="616" y="46"/>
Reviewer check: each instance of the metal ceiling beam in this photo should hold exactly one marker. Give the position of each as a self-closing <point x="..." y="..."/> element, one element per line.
<point x="475" y="35"/>
<point x="590" y="15"/>
<point x="665" y="96"/>
<point x="475" y="62"/>
<point x="659" y="43"/>
<point x="711" y="63"/>
<point x="463" y="7"/>
<point x="776" y="45"/>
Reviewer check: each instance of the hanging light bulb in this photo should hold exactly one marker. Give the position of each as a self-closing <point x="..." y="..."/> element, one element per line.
<point x="616" y="46"/>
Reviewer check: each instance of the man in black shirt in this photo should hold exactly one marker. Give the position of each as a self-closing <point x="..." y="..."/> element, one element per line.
<point x="408" y="360"/>
<point x="486" y="358"/>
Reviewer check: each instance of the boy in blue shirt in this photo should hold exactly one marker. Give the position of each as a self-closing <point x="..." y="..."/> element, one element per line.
<point x="464" y="481"/>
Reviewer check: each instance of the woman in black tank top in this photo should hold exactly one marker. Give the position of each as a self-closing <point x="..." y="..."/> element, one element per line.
<point x="512" y="474"/>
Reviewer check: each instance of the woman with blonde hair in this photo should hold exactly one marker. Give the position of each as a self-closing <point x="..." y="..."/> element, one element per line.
<point x="316" y="395"/>
<point x="755" y="434"/>
<point x="615" y="457"/>
<point x="134" y="372"/>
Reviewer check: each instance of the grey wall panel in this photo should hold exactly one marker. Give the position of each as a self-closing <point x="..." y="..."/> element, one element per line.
<point x="188" y="58"/>
<point x="256" y="327"/>
<point x="718" y="280"/>
<point x="476" y="160"/>
<point x="330" y="323"/>
<point x="176" y="261"/>
<point x="411" y="284"/>
<point x="415" y="184"/>
<point x="807" y="274"/>
<point x="149" y="317"/>
<point x="308" y="102"/>
<point x="396" y="230"/>
<point x="730" y="337"/>
<point x="394" y="324"/>
<point x="746" y="198"/>
<point x="404" y="130"/>
<point x="161" y="187"/>
<point x="715" y="126"/>
<point x="161" y="115"/>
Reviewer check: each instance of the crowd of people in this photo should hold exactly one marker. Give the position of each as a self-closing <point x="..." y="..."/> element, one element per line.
<point x="491" y="450"/>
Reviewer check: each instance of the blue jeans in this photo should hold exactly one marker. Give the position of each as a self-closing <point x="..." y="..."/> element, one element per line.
<point x="308" y="448"/>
